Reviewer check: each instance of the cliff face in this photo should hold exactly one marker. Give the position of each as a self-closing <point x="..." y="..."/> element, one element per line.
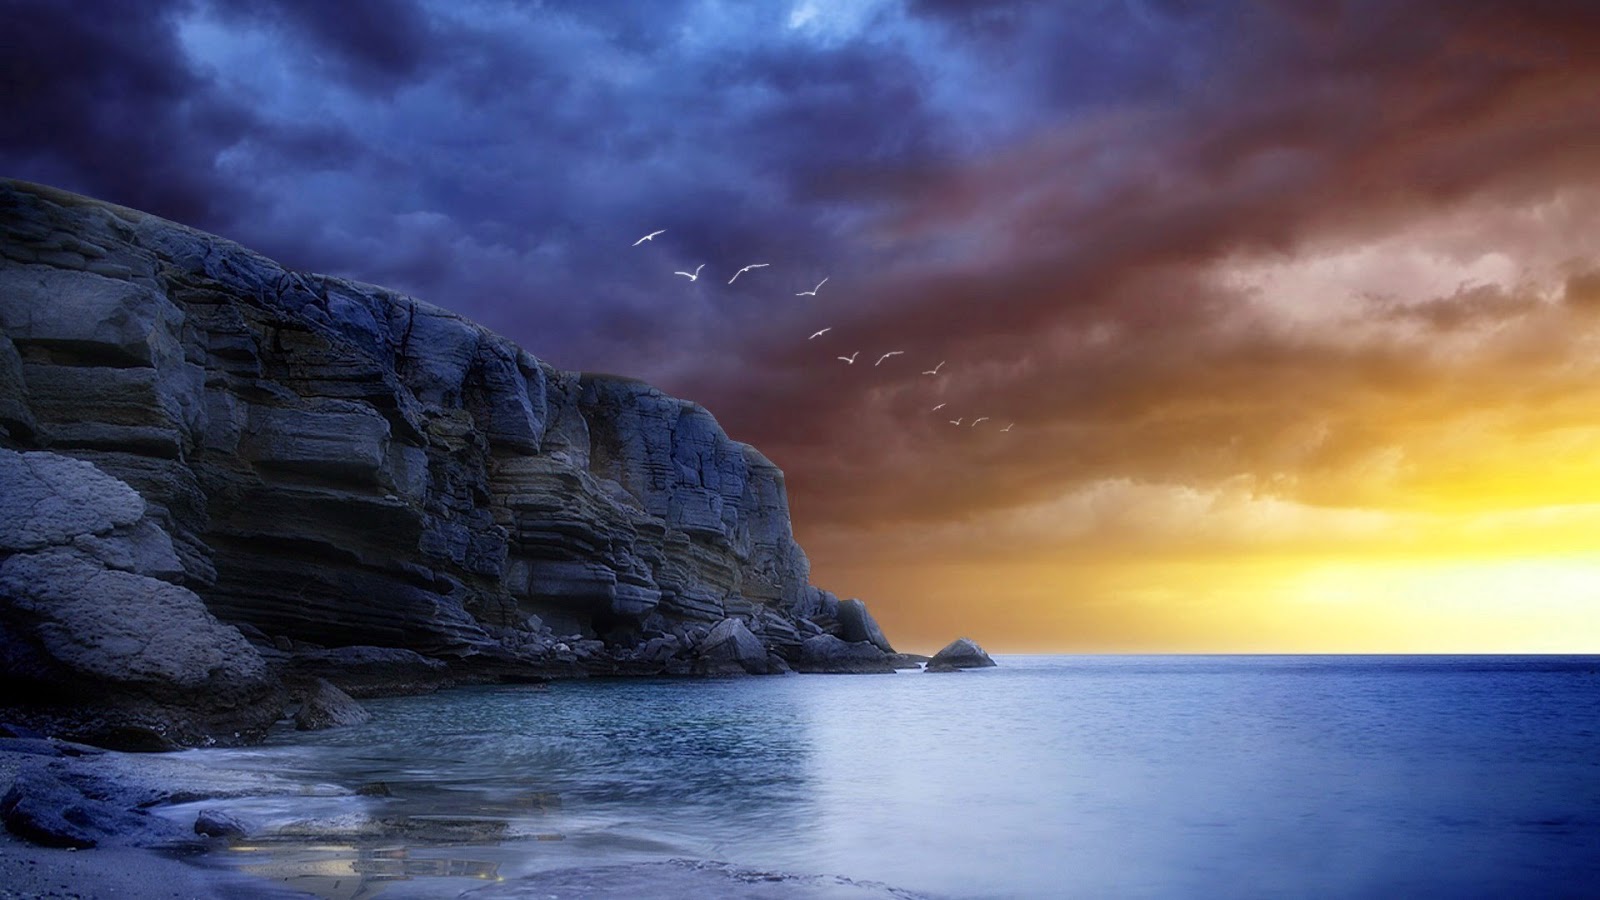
<point x="337" y="465"/>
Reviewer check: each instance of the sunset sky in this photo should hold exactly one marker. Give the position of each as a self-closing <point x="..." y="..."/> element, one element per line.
<point x="1295" y="305"/>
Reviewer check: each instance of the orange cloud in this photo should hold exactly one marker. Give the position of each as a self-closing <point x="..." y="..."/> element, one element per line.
<point x="1355" y="276"/>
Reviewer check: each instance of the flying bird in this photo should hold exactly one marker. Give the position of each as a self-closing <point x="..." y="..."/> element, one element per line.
<point x="935" y="369"/>
<point x="1008" y="427"/>
<point x="821" y="333"/>
<point x="887" y="355"/>
<point x="956" y="421"/>
<point x="748" y="268"/>
<point x="979" y="419"/>
<point x="695" y="276"/>
<point x="813" y="291"/>
<point x="939" y="407"/>
<point x="649" y="237"/>
<point x="851" y="359"/>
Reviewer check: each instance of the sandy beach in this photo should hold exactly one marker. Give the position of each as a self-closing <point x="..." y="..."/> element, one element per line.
<point x="30" y="871"/>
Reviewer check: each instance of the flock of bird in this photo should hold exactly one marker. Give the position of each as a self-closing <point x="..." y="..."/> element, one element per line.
<point x="847" y="360"/>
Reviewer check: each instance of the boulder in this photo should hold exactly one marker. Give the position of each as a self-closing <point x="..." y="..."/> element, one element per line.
<point x="51" y="500"/>
<point x="94" y="645"/>
<point x="961" y="653"/>
<point x="857" y="624"/>
<point x="325" y="706"/>
<point x="53" y="808"/>
<point x="730" y="649"/>
<point x="826" y="654"/>
<point x="218" y="824"/>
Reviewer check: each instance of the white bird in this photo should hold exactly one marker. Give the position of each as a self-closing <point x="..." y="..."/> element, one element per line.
<point x="748" y="268"/>
<point x="649" y="237"/>
<point x="851" y="359"/>
<point x="887" y="355"/>
<point x="979" y="419"/>
<point x="1008" y="427"/>
<point x="813" y="291"/>
<point x="939" y="407"/>
<point x="695" y="276"/>
<point x="821" y="333"/>
<point x="956" y="421"/>
<point x="935" y="369"/>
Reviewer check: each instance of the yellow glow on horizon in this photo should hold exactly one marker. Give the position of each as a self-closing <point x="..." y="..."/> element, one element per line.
<point x="1287" y="604"/>
<point x="1386" y="444"/>
<point x="1531" y="605"/>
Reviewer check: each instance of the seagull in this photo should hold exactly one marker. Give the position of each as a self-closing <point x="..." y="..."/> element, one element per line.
<point x="695" y="276"/>
<point x="649" y="237"/>
<point x="851" y="359"/>
<point x="956" y="421"/>
<point x="939" y="407"/>
<point x="748" y="268"/>
<point x="935" y="369"/>
<point x="887" y="355"/>
<point x="821" y="333"/>
<point x="813" y="291"/>
<point x="979" y="419"/>
<point x="1008" y="427"/>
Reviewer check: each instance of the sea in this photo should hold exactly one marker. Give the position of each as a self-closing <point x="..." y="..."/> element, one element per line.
<point x="1047" y="776"/>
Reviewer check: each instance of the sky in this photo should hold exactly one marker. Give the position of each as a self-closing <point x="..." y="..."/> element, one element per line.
<point x="1292" y="308"/>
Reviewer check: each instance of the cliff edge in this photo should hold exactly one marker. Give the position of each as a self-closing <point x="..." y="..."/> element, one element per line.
<point x="218" y="476"/>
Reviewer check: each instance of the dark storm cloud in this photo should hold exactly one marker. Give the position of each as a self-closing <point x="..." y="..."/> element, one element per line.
<point x="1037" y="192"/>
<point x="105" y="104"/>
<point x="1329" y="125"/>
<point x="377" y="44"/>
<point x="492" y="158"/>
<point x="516" y="204"/>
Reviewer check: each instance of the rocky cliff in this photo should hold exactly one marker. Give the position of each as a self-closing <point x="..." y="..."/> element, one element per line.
<point x="218" y="474"/>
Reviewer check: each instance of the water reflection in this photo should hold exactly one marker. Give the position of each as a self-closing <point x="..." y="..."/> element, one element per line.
<point x="349" y="872"/>
<point x="1128" y="777"/>
<point x="502" y="781"/>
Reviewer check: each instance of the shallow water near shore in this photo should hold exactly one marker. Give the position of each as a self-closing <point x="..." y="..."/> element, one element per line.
<point x="1045" y="777"/>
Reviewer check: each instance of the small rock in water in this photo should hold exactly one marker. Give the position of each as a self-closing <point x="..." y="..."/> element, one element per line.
<point x="374" y="789"/>
<point x="962" y="653"/>
<point x="325" y="706"/>
<point x="215" y="823"/>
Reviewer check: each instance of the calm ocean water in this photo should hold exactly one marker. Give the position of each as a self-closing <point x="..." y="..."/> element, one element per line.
<point x="1046" y="777"/>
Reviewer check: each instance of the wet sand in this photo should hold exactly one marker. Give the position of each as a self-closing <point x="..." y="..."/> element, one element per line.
<point x="126" y="873"/>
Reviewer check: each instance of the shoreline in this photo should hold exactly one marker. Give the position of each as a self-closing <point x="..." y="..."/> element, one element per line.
<point x="348" y="840"/>
<point x="128" y="873"/>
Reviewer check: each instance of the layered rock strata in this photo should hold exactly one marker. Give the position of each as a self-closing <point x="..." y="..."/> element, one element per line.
<point x="327" y="479"/>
